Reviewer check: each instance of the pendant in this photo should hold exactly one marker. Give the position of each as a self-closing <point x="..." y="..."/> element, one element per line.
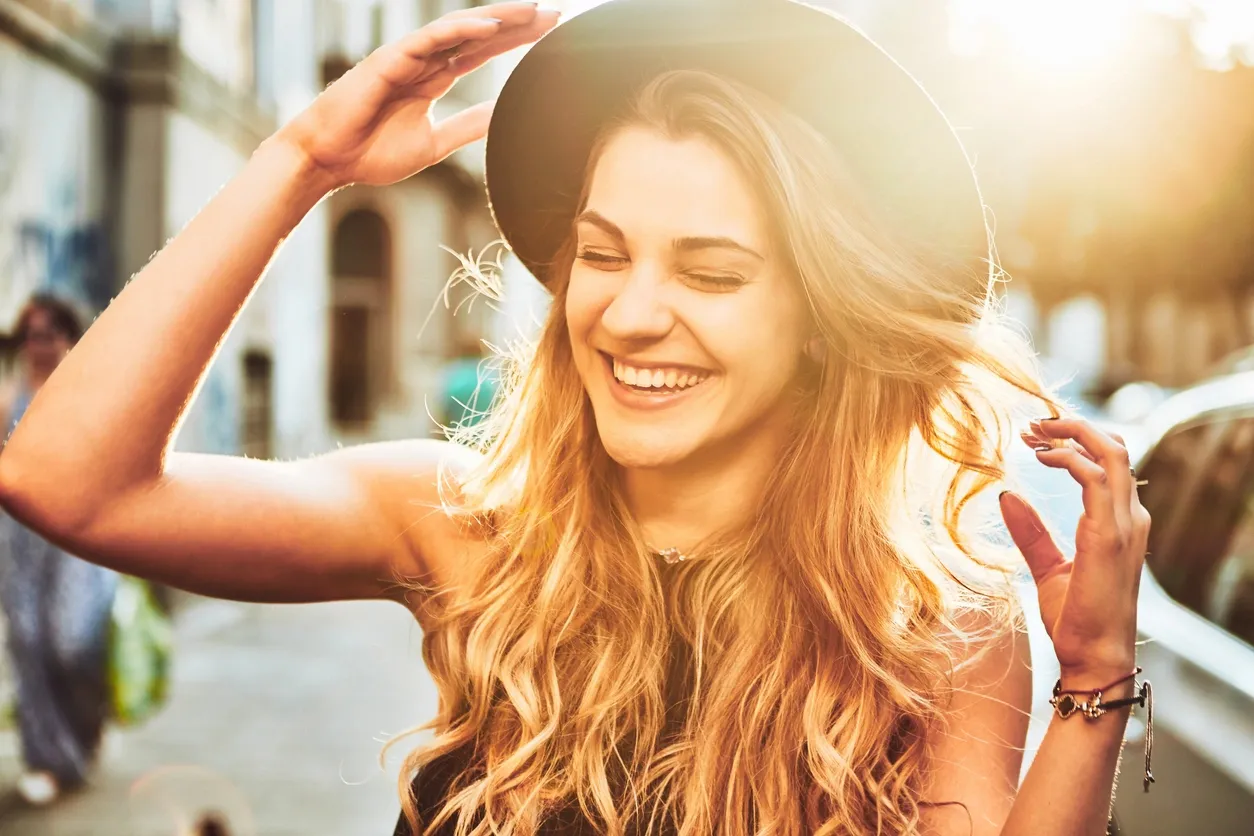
<point x="672" y="556"/>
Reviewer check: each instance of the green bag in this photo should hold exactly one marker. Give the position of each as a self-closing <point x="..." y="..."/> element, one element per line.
<point x="139" y="652"/>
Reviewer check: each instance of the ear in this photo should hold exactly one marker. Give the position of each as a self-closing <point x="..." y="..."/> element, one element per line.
<point x="816" y="349"/>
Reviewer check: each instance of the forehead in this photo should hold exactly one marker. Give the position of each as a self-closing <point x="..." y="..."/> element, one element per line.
<point x="655" y="187"/>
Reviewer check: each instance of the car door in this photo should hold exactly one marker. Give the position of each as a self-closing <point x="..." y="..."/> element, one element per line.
<point x="1197" y="630"/>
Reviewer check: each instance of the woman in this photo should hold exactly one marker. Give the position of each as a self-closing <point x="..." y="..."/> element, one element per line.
<point x="686" y="585"/>
<point x="55" y="605"/>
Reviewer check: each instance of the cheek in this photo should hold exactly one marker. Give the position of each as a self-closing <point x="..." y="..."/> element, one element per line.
<point x="588" y="295"/>
<point x="584" y="307"/>
<point x="759" y="344"/>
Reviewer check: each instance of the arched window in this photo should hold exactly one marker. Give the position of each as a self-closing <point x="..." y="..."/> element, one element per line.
<point x="361" y="316"/>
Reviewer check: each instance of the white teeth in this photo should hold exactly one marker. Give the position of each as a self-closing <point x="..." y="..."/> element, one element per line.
<point x="655" y="378"/>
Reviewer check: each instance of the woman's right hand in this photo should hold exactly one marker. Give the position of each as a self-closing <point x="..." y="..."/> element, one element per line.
<point x="374" y="126"/>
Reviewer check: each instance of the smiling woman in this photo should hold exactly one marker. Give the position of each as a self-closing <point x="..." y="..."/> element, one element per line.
<point x="714" y="565"/>
<point x="668" y="279"/>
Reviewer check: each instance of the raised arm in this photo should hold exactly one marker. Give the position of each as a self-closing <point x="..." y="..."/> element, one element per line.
<point x="1088" y="605"/>
<point x="91" y="465"/>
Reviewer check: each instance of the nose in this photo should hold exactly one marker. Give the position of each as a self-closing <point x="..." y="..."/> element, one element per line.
<point x="639" y="310"/>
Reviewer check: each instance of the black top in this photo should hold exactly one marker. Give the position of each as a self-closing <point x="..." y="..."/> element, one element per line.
<point x="433" y="782"/>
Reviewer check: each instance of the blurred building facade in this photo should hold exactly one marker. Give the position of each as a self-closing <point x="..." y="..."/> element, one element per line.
<point x="119" y="119"/>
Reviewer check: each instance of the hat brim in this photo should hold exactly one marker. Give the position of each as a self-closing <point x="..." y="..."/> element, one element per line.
<point x="898" y="144"/>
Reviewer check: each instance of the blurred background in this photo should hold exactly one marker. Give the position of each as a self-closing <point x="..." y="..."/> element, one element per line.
<point x="1114" y="140"/>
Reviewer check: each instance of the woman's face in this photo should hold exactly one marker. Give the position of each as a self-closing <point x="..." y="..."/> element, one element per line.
<point x="43" y="344"/>
<point x="684" y="327"/>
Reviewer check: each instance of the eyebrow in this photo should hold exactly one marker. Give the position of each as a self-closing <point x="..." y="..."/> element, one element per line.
<point x="685" y="244"/>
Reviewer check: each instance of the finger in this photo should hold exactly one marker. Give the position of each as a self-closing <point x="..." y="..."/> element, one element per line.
<point x="475" y="55"/>
<point x="461" y="129"/>
<point x="1099" y="501"/>
<point x="1030" y="536"/>
<point x="511" y="14"/>
<point x="406" y="60"/>
<point x="1034" y="441"/>
<point x="1106" y="451"/>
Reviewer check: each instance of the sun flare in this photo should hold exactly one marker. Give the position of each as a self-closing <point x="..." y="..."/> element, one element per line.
<point x="1056" y="36"/>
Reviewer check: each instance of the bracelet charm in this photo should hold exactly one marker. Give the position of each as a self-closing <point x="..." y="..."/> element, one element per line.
<point x="1067" y="703"/>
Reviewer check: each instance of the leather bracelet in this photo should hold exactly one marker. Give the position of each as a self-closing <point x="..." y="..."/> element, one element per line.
<point x="1066" y="705"/>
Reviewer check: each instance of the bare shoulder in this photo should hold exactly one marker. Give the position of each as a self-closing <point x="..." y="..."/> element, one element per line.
<point x="976" y="754"/>
<point x="412" y="482"/>
<point x="992" y="658"/>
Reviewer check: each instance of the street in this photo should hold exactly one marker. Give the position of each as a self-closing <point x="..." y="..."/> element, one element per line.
<point x="276" y="720"/>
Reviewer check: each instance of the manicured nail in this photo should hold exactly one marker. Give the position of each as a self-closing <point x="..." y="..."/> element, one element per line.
<point x="1041" y="448"/>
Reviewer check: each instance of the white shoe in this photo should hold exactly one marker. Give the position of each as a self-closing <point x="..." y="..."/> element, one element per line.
<point x="39" y="789"/>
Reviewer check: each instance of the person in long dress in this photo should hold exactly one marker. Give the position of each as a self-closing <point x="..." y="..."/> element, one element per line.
<point x="56" y="606"/>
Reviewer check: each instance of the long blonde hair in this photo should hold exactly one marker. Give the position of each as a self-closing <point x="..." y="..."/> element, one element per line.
<point x="824" y="632"/>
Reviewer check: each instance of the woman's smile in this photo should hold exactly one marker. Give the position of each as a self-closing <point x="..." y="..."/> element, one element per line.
<point x="638" y="384"/>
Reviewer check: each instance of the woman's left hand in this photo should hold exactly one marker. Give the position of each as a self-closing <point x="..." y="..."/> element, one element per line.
<point x="1088" y="603"/>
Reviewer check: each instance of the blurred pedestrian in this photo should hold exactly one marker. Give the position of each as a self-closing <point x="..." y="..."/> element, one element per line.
<point x="56" y="605"/>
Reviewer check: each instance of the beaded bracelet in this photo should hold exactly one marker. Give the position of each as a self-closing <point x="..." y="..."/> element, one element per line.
<point x="1065" y="705"/>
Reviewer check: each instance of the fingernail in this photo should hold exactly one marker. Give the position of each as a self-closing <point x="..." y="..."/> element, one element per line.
<point x="1049" y="418"/>
<point x="1041" y="448"/>
<point x="1002" y="495"/>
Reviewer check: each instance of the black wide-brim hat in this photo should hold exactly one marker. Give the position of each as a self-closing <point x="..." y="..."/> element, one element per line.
<point x="897" y="143"/>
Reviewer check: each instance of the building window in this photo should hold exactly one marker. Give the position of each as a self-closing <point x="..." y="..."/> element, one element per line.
<point x="258" y="431"/>
<point x="361" y="348"/>
<point x="1200" y="492"/>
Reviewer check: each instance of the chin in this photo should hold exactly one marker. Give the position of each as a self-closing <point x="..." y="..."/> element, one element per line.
<point x="645" y="448"/>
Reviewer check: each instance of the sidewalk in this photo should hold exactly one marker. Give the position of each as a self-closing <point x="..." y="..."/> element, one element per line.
<point x="276" y="718"/>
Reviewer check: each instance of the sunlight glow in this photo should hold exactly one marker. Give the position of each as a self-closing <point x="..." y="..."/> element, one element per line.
<point x="1076" y="36"/>
<point x="1223" y="30"/>
<point x="1060" y="35"/>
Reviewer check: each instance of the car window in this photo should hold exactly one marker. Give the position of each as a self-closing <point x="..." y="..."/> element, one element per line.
<point x="1200" y="492"/>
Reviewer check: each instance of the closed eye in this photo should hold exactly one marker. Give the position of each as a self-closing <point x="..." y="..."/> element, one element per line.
<point x="600" y="258"/>
<point x="720" y="283"/>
